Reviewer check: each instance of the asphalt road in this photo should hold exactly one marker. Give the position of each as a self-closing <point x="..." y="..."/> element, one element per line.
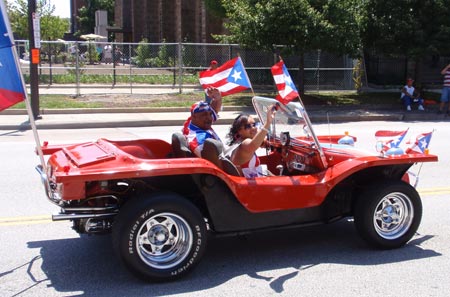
<point x="44" y="258"/>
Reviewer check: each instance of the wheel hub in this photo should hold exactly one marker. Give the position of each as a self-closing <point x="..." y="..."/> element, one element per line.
<point x="158" y="235"/>
<point x="164" y="240"/>
<point x="389" y="214"/>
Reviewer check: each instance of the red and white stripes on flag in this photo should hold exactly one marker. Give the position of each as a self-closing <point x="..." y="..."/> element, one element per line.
<point x="390" y="139"/>
<point x="229" y="78"/>
<point x="286" y="87"/>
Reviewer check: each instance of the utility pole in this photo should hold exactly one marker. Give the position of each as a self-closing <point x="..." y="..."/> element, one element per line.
<point x="35" y="44"/>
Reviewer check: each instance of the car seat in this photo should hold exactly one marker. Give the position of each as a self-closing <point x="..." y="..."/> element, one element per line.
<point x="180" y="148"/>
<point x="213" y="152"/>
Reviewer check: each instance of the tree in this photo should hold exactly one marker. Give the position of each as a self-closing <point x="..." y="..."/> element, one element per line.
<point x="299" y="25"/>
<point x="408" y="28"/>
<point x="86" y="15"/>
<point x="52" y="27"/>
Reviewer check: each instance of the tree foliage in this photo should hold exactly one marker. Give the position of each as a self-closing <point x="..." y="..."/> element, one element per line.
<point x="52" y="27"/>
<point x="303" y="25"/>
<point x="299" y="25"/>
<point x="86" y="15"/>
<point x="408" y="27"/>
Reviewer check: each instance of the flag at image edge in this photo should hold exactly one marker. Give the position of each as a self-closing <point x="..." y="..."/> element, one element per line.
<point x="11" y="87"/>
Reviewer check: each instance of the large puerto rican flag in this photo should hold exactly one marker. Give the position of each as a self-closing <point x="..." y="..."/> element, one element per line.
<point x="286" y="87"/>
<point x="229" y="78"/>
<point x="11" y="87"/>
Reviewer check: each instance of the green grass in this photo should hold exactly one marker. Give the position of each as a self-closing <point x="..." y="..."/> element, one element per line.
<point x="242" y="99"/>
<point x="60" y="102"/>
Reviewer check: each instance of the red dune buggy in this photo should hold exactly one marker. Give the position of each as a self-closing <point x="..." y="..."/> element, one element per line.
<point x="161" y="202"/>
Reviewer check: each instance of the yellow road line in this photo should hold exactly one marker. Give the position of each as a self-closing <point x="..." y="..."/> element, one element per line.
<point x="434" y="191"/>
<point x="26" y="220"/>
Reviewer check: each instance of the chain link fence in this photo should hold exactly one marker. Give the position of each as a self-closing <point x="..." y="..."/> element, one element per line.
<point x="83" y="64"/>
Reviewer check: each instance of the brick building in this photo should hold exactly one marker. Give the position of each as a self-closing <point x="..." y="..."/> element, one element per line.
<point x="158" y="20"/>
<point x="168" y="20"/>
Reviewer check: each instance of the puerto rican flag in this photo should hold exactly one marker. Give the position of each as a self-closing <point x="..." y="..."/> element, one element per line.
<point x="11" y="87"/>
<point x="422" y="143"/>
<point x="286" y="87"/>
<point x="229" y="78"/>
<point x="390" y="139"/>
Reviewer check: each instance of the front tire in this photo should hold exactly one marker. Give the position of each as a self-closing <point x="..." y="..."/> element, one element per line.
<point x="160" y="238"/>
<point x="388" y="214"/>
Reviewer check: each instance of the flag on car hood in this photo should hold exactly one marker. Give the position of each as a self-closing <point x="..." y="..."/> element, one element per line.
<point x="422" y="143"/>
<point x="390" y="139"/>
<point x="286" y="87"/>
<point x="229" y="78"/>
<point x="11" y="87"/>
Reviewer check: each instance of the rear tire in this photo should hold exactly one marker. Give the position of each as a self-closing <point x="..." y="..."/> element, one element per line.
<point x="159" y="238"/>
<point x="388" y="214"/>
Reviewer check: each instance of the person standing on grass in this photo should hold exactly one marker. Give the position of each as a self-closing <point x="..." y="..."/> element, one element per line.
<point x="445" y="96"/>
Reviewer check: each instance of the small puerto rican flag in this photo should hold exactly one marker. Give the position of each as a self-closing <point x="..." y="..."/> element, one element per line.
<point x="286" y="87"/>
<point x="422" y="143"/>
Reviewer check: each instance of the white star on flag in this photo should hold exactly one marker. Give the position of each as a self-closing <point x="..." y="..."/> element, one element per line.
<point x="229" y="78"/>
<point x="236" y="75"/>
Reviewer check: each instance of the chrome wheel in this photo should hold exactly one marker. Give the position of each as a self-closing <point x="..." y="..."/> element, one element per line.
<point x="164" y="240"/>
<point x="393" y="215"/>
<point x="388" y="214"/>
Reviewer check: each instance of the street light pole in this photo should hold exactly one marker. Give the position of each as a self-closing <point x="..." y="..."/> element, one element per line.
<point x="34" y="59"/>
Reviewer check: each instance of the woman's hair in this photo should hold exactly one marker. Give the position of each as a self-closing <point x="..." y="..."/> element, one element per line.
<point x="233" y="134"/>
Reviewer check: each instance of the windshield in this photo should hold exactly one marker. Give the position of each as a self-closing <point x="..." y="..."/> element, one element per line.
<point x="292" y="119"/>
<point x="288" y="118"/>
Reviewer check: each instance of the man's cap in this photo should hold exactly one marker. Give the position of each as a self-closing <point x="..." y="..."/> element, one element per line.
<point x="213" y="62"/>
<point x="409" y="79"/>
<point x="202" y="106"/>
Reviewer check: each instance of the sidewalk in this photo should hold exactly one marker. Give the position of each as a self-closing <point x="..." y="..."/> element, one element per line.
<point x="142" y="117"/>
<point x="12" y="119"/>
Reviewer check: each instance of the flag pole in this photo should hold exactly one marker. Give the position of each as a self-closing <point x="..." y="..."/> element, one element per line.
<point x="27" y="101"/>
<point x="308" y="121"/>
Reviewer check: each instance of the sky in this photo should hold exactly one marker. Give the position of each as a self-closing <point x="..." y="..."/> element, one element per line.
<point x="62" y="8"/>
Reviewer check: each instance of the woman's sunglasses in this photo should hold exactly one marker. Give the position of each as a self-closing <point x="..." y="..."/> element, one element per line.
<point x="249" y="126"/>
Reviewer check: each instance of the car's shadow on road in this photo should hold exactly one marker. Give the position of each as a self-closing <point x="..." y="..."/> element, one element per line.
<point x="89" y="265"/>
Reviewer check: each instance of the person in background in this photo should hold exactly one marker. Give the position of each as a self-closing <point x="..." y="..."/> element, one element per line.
<point x="107" y="54"/>
<point x="445" y="96"/>
<point x="213" y="65"/>
<point x="198" y="127"/>
<point x="245" y="134"/>
<point x="409" y="96"/>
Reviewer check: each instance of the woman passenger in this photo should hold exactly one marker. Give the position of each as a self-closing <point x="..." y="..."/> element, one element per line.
<point x="244" y="134"/>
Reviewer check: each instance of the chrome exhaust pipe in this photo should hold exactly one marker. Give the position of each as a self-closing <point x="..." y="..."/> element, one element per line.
<point x="74" y="216"/>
